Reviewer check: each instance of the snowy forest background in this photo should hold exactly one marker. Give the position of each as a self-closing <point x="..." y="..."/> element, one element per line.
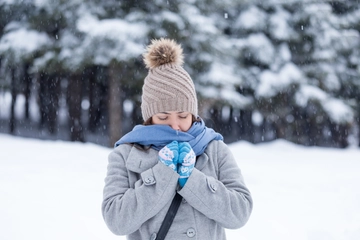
<point x="263" y="70"/>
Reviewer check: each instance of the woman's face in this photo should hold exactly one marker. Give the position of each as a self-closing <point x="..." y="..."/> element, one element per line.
<point x="181" y="121"/>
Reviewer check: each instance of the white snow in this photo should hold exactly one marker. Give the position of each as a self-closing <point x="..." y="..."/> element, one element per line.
<point x="285" y="52"/>
<point x="116" y="29"/>
<point x="23" y="42"/>
<point x="123" y="38"/>
<point x="291" y="73"/>
<point x="43" y="61"/>
<point x="331" y="82"/>
<point x="261" y="47"/>
<point x="336" y="109"/>
<point x="252" y="18"/>
<point x="222" y="74"/>
<point x="173" y="18"/>
<point x="271" y="83"/>
<point x="5" y="109"/>
<point x="280" y="28"/>
<point x="204" y="25"/>
<point x="224" y="94"/>
<point x="5" y="103"/>
<point x="257" y="118"/>
<point x="53" y="190"/>
<point x="308" y="92"/>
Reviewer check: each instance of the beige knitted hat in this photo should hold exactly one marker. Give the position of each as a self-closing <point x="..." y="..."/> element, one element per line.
<point x="167" y="87"/>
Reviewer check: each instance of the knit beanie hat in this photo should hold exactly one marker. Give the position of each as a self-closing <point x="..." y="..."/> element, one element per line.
<point x="167" y="87"/>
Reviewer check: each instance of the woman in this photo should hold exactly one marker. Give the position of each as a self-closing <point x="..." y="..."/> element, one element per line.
<point x="173" y="152"/>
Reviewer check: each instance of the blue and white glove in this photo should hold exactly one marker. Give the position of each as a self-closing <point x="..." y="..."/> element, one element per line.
<point x="187" y="160"/>
<point x="169" y="154"/>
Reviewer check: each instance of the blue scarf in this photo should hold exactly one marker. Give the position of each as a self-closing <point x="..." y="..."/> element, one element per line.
<point x="198" y="136"/>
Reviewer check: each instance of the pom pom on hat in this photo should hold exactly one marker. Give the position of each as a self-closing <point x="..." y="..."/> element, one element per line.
<point x="161" y="52"/>
<point x="167" y="87"/>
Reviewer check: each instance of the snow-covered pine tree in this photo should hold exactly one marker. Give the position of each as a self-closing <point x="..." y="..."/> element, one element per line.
<point x="294" y="59"/>
<point x="325" y="42"/>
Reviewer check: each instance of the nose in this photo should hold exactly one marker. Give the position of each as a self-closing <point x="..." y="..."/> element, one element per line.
<point x="174" y="125"/>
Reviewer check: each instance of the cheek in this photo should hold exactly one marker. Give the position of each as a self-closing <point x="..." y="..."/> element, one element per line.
<point x="186" y="125"/>
<point x="154" y="121"/>
<point x="157" y="121"/>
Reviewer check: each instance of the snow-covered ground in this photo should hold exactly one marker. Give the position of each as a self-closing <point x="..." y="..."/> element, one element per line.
<point x="53" y="190"/>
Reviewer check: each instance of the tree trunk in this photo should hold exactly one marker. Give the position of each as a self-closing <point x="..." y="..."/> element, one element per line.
<point x="94" y="99"/>
<point x="311" y="132"/>
<point x="297" y="126"/>
<point x="280" y="128"/>
<point x="136" y="117"/>
<point x="215" y="117"/>
<point x="114" y="103"/>
<point x="344" y="133"/>
<point x="53" y="104"/>
<point x="27" y="90"/>
<point x="246" y="126"/>
<point x="339" y="135"/>
<point x="74" y="103"/>
<point x="232" y="125"/>
<point x="12" y="123"/>
<point x="43" y="99"/>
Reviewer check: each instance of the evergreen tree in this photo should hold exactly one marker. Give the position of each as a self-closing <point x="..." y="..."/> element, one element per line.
<point x="263" y="70"/>
<point x="292" y="58"/>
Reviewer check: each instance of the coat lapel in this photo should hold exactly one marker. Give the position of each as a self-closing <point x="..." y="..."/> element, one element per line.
<point x="141" y="160"/>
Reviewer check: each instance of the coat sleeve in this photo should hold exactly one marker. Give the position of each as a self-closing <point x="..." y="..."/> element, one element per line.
<point x="226" y="199"/>
<point x="126" y="208"/>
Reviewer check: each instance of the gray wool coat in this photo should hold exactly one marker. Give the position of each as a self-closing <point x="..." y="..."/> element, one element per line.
<point x="139" y="189"/>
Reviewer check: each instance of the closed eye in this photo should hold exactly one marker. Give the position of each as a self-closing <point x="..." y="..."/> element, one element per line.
<point x="183" y="116"/>
<point x="162" y="118"/>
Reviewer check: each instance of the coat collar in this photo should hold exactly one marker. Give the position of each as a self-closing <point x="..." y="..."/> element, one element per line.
<point x="141" y="158"/>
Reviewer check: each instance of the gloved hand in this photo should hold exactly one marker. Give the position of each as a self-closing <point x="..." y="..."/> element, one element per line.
<point x="169" y="154"/>
<point x="187" y="160"/>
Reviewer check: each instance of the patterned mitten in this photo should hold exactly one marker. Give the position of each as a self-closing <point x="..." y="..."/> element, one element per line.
<point x="168" y="155"/>
<point x="187" y="162"/>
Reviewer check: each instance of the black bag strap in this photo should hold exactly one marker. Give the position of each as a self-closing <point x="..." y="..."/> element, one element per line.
<point x="170" y="215"/>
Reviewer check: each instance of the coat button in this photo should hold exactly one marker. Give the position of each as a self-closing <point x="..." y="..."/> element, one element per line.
<point x="149" y="180"/>
<point x="191" y="232"/>
<point x="211" y="184"/>
<point x="153" y="236"/>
